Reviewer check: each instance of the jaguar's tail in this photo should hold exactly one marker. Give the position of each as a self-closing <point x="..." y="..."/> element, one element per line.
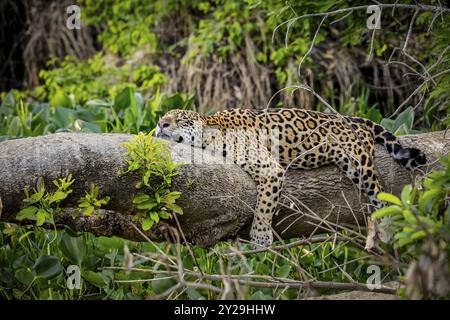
<point x="410" y="158"/>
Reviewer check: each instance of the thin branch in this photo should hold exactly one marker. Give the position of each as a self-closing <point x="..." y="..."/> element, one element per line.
<point x="280" y="282"/>
<point x="311" y="46"/>
<point x="408" y="35"/>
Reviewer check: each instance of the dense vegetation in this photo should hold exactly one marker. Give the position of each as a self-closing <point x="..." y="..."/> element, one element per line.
<point x="147" y="57"/>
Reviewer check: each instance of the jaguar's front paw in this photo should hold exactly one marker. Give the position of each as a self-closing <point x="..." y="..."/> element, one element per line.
<point x="261" y="239"/>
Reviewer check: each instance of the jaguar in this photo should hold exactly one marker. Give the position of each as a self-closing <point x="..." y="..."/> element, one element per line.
<point x="267" y="142"/>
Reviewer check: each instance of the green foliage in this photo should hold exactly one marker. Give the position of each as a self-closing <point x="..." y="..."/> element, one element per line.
<point x="151" y="158"/>
<point x="42" y="204"/>
<point x="90" y="202"/>
<point x="125" y="112"/>
<point x="402" y="124"/>
<point x="76" y="81"/>
<point x="361" y="107"/>
<point x="33" y="265"/>
<point x="421" y="213"/>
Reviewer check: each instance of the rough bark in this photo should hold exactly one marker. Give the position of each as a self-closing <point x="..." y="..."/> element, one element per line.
<point x="217" y="197"/>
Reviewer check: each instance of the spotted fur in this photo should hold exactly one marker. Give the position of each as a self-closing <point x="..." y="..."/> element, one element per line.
<point x="304" y="139"/>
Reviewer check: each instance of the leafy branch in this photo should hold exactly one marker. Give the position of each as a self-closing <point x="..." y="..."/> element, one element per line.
<point x="151" y="157"/>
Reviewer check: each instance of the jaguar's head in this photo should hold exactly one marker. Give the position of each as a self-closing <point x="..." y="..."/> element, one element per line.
<point x="181" y="126"/>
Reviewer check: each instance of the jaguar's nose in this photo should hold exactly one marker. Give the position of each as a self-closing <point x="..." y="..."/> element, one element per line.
<point x="163" y="123"/>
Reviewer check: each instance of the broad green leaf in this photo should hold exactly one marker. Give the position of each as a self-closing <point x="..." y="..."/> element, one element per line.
<point x="418" y="235"/>
<point x="63" y="118"/>
<point x="259" y="295"/>
<point x="401" y="131"/>
<point x="283" y="271"/>
<point x="26" y="213"/>
<point x="57" y="196"/>
<point x="147" y="205"/>
<point x="387" y="197"/>
<point x="111" y="242"/>
<point x="176" y="208"/>
<point x="84" y="204"/>
<point x="47" y="267"/>
<point x="147" y="224"/>
<point x="94" y="278"/>
<point x="40" y="217"/>
<point x="60" y="99"/>
<point x="154" y="216"/>
<point x="427" y="198"/>
<point x="35" y="197"/>
<point x="140" y="198"/>
<point x="25" y="276"/>
<point x="124" y="99"/>
<point x="161" y="284"/>
<point x="164" y="214"/>
<point x="73" y="248"/>
<point x="88" y="210"/>
<point x="406" y="194"/>
<point x="409" y="216"/>
<point x="388" y="124"/>
<point x="406" y="119"/>
<point x="172" y="102"/>
<point x="85" y="126"/>
<point x="386" y="211"/>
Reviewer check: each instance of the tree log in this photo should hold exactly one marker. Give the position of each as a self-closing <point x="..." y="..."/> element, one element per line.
<point x="217" y="197"/>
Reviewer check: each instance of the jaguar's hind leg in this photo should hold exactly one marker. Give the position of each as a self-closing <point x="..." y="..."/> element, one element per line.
<point x="360" y="169"/>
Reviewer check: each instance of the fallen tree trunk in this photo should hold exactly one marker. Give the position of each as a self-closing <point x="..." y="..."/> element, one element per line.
<point x="217" y="197"/>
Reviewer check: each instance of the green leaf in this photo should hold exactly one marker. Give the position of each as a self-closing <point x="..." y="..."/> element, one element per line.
<point x="40" y="217"/>
<point x="111" y="242"/>
<point x="173" y="102"/>
<point x="283" y="271"/>
<point x="26" y="213"/>
<point x="409" y="216"/>
<point x="176" y="208"/>
<point x="36" y="197"/>
<point x="406" y="194"/>
<point x="40" y="185"/>
<point x="147" y="224"/>
<point x="57" y="196"/>
<point x="60" y="99"/>
<point x="388" y="124"/>
<point x="418" y="235"/>
<point x="140" y="198"/>
<point x="387" y="197"/>
<point x="402" y="130"/>
<point x="164" y="214"/>
<point x="47" y="267"/>
<point x="85" y="126"/>
<point x="405" y="119"/>
<point x="386" y="211"/>
<point x="259" y="295"/>
<point x="25" y="276"/>
<point x="161" y="285"/>
<point x="94" y="278"/>
<point x="124" y="99"/>
<point x="428" y="197"/>
<point x="147" y="205"/>
<point x="154" y="216"/>
<point x="88" y="210"/>
<point x="63" y="118"/>
<point x="73" y="248"/>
